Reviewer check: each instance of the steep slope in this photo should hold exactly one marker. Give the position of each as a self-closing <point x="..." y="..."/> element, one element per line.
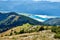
<point x="53" y="21"/>
<point x="13" y="19"/>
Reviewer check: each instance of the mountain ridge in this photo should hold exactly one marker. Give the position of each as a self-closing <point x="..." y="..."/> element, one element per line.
<point x="53" y="21"/>
<point x="13" y="19"/>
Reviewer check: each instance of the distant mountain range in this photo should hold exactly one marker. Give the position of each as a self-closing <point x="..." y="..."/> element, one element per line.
<point x="12" y="19"/>
<point x="53" y="21"/>
<point x="41" y="7"/>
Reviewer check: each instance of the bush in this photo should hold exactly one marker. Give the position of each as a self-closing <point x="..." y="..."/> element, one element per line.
<point x="11" y="34"/>
<point x="1" y="35"/>
<point x="57" y="31"/>
<point x="16" y="33"/>
<point x="42" y="28"/>
<point x="6" y="35"/>
<point x="21" y="31"/>
<point x="54" y="29"/>
<point x="57" y="36"/>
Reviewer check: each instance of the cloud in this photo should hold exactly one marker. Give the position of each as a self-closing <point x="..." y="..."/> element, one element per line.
<point x="40" y="20"/>
<point x="45" y="16"/>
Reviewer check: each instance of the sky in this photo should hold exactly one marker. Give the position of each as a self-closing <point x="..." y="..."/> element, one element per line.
<point x="34" y="0"/>
<point x="31" y="6"/>
<point x="52" y="9"/>
<point x="49" y="0"/>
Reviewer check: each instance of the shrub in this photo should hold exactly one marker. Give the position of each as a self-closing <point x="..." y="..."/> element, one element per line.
<point x="21" y="31"/>
<point x="16" y="33"/>
<point x="6" y="35"/>
<point x="1" y="35"/>
<point x="11" y="34"/>
<point x="57" y="31"/>
<point x="53" y="29"/>
<point x="42" y="28"/>
<point x="57" y="36"/>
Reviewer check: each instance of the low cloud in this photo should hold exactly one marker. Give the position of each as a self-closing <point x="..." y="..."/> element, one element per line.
<point x="45" y="16"/>
<point x="40" y="20"/>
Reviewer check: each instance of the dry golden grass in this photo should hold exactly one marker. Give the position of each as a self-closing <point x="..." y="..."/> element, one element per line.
<point x="42" y="35"/>
<point x="18" y="29"/>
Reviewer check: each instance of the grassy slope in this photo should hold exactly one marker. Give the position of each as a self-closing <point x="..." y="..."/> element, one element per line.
<point x="42" y="35"/>
<point x="26" y="27"/>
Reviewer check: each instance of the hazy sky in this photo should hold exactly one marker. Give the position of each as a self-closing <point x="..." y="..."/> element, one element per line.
<point x="49" y="0"/>
<point x="33" y="0"/>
